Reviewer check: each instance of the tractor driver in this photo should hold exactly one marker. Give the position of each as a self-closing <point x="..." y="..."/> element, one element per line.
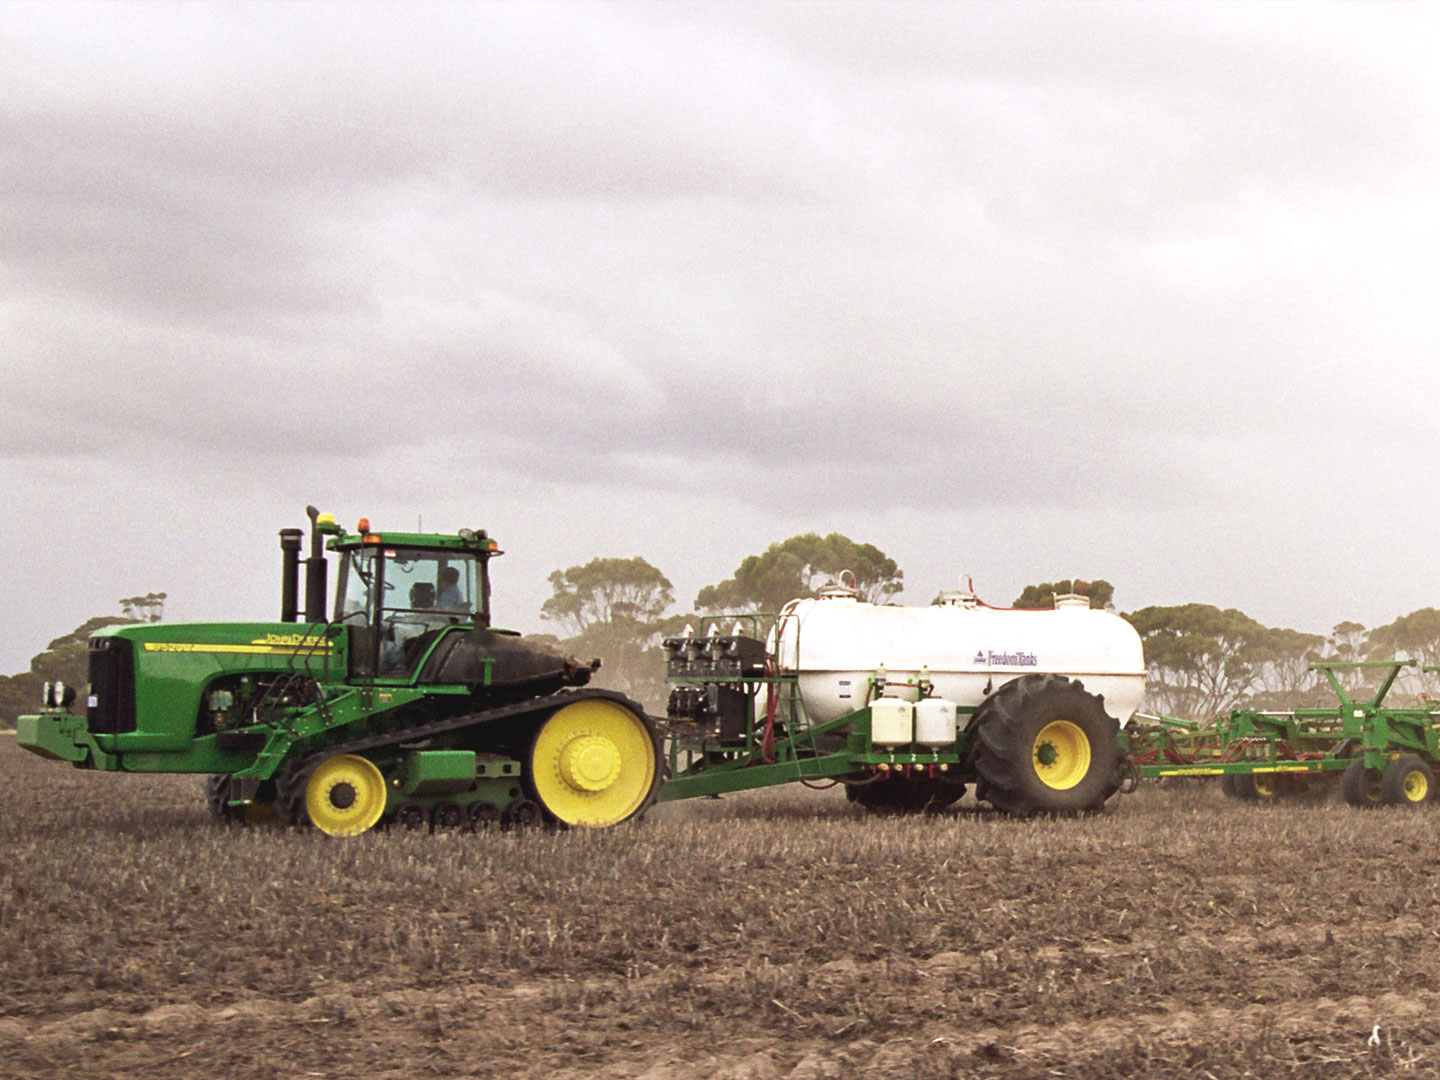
<point x="449" y="597"/>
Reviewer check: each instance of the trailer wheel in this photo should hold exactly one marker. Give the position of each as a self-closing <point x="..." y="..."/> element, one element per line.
<point x="899" y="796"/>
<point x="1407" y="781"/>
<point x="1046" y="745"/>
<point x="345" y="795"/>
<point x="594" y="763"/>
<point x="1361" y="786"/>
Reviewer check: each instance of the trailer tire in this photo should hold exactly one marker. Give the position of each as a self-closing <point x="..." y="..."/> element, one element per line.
<point x="1361" y="786"/>
<point x="1044" y="744"/>
<point x="1407" y="781"/>
<point x="899" y="796"/>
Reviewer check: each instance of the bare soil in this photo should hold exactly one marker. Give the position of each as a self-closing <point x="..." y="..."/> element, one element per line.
<point x="767" y="936"/>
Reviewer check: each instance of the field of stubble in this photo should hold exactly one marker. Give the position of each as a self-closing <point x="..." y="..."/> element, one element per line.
<point x="778" y="935"/>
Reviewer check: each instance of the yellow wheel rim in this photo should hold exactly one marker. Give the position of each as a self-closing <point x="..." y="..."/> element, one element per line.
<point x="1264" y="786"/>
<point x="345" y="795"/>
<point x="593" y="763"/>
<point x="1061" y="755"/>
<point x="1417" y="786"/>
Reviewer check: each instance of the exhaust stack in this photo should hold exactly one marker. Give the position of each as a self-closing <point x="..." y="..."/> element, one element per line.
<point x="315" y="572"/>
<point x="290" y="574"/>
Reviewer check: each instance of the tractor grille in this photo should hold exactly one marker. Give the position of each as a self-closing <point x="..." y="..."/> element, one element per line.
<point x="111" y="708"/>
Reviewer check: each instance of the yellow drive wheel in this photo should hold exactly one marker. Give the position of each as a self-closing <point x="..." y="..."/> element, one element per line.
<point x="1061" y="755"/>
<point x="345" y="795"/>
<point x="594" y="763"/>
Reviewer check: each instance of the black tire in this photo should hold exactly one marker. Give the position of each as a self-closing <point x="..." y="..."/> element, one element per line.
<point x="1079" y="742"/>
<point x="1256" y="787"/>
<point x="896" y="795"/>
<point x="1407" y="781"/>
<point x="1361" y="786"/>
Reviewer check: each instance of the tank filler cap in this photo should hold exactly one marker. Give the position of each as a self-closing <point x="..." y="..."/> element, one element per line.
<point x="842" y="588"/>
<point x="963" y="597"/>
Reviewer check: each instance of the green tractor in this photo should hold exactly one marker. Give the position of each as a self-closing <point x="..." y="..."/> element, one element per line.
<point x="401" y="705"/>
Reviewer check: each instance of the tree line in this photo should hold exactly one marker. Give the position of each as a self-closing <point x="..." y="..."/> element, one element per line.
<point x="1201" y="661"/>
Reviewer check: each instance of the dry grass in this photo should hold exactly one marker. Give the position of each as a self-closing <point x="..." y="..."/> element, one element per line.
<point x="772" y="935"/>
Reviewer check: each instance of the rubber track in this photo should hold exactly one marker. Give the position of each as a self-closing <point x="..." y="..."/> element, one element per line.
<point x="290" y="781"/>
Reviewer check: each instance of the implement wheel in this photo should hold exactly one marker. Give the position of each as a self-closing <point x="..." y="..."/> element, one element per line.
<point x="345" y="795"/>
<point x="1254" y="787"/>
<point x="901" y="796"/>
<point x="594" y="763"/>
<point x="1046" y="745"/>
<point x="1407" y="781"/>
<point x="1361" y="786"/>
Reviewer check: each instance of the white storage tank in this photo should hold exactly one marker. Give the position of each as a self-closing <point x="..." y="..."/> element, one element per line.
<point x="835" y="643"/>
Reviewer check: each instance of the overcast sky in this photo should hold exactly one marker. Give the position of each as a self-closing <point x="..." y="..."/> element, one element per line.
<point x="1136" y="291"/>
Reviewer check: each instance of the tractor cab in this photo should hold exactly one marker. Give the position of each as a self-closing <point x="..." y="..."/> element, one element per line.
<point x="398" y="593"/>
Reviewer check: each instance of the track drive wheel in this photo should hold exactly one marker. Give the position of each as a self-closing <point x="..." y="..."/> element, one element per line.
<point x="1361" y="786"/>
<point x="1407" y="781"/>
<point x="345" y="795"/>
<point x="900" y="796"/>
<point x="1046" y="745"/>
<point x="594" y="763"/>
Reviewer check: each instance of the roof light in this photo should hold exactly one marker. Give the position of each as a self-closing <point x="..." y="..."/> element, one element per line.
<point x="372" y="538"/>
<point x="363" y="526"/>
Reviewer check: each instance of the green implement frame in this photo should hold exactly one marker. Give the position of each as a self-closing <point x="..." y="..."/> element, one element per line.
<point x="1354" y="735"/>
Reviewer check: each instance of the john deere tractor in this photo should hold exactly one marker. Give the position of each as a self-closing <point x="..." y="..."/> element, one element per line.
<point x="397" y="703"/>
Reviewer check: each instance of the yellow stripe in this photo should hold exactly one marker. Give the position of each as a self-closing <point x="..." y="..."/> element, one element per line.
<point x="197" y="647"/>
